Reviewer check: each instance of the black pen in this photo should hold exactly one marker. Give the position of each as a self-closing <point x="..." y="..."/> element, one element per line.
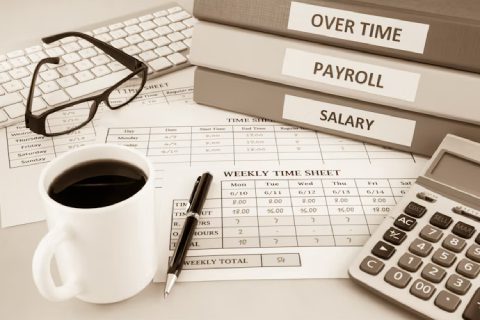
<point x="197" y="199"/>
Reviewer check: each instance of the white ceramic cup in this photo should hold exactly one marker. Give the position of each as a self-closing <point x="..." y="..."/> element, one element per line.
<point x="104" y="254"/>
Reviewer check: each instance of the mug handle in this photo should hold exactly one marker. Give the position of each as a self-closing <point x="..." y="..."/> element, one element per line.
<point x="42" y="275"/>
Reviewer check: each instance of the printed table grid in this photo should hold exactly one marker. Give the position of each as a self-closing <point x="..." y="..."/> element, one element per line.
<point x="165" y="95"/>
<point x="269" y="213"/>
<point x="244" y="143"/>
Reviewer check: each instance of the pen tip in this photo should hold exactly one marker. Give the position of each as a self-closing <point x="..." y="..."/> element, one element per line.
<point x="165" y="295"/>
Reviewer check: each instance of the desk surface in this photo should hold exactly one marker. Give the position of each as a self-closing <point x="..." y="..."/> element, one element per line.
<point x="286" y="299"/>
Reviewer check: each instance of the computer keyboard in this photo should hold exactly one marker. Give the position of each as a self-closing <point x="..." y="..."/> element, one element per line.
<point x="160" y="37"/>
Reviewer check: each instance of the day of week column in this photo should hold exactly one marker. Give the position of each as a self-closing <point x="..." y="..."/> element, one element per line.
<point x="377" y="200"/>
<point x="337" y="148"/>
<point x="275" y="215"/>
<point x="170" y="145"/>
<point x="76" y="139"/>
<point x="136" y="138"/>
<point x="26" y="148"/>
<point x="346" y="212"/>
<point x="297" y="144"/>
<point x="400" y="187"/>
<point x="310" y="211"/>
<point x="240" y="219"/>
<point x="255" y="143"/>
<point x="212" y="144"/>
<point x="208" y="234"/>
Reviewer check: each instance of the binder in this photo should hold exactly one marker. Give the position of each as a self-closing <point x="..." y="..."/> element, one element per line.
<point x="396" y="128"/>
<point x="409" y="86"/>
<point x="439" y="32"/>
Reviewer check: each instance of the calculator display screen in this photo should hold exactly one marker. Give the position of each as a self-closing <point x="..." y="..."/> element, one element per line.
<point x="460" y="173"/>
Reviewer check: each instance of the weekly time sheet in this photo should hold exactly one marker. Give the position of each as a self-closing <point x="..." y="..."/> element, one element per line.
<point x="269" y="222"/>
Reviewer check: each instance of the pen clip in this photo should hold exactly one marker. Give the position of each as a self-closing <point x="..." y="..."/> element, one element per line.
<point x="194" y="191"/>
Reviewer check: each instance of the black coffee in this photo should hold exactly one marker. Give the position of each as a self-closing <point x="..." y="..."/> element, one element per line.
<point x="97" y="184"/>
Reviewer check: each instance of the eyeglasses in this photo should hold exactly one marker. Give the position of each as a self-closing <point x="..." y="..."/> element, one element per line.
<point x="73" y="115"/>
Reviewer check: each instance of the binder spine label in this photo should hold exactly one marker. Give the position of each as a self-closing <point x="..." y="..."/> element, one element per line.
<point x="358" y="27"/>
<point x="349" y="120"/>
<point x="349" y="74"/>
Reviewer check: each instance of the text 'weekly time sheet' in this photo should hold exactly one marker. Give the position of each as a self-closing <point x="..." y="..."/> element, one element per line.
<point x="299" y="221"/>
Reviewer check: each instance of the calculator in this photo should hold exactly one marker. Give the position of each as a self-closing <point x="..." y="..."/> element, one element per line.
<point x="425" y="256"/>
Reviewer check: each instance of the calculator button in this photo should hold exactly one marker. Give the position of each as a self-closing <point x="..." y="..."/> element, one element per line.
<point x="431" y="234"/>
<point x="468" y="268"/>
<point x="397" y="277"/>
<point x="457" y="284"/>
<point x="415" y="210"/>
<point x="383" y="250"/>
<point x="474" y="252"/>
<point x="394" y="236"/>
<point x="405" y="222"/>
<point x="463" y="230"/>
<point x="472" y="311"/>
<point x="371" y="265"/>
<point x="410" y="262"/>
<point x="477" y="239"/>
<point x="447" y="301"/>
<point x="440" y="220"/>
<point x="443" y="257"/>
<point x="422" y="289"/>
<point x="420" y="248"/>
<point x="433" y="273"/>
<point x="453" y="243"/>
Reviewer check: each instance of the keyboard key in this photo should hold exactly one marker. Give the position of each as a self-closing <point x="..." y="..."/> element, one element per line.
<point x="447" y="301"/>
<point x="177" y="58"/>
<point x="161" y="41"/>
<point x="101" y="59"/>
<point x="468" y="268"/>
<point x="15" y="110"/>
<point x="68" y="40"/>
<point x="83" y="76"/>
<point x="394" y="236"/>
<point x="161" y="13"/>
<point x="474" y="252"/>
<point x="440" y="220"/>
<point x="18" y="73"/>
<point x="458" y="285"/>
<point x="83" y="65"/>
<point x="443" y="257"/>
<point x="132" y="50"/>
<point x="174" y="9"/>
<point x="422" y="289"/>
<point x="100" y="30"/>
<point x="405" y="222"/>
<point x="55" y="52"/>
<point x="13" y="86"/>
<point x="3" y="116"/>
<point x="85" y="44"/>
<point x="105" y="37"/>
<point x="410" y="262"/>
<point x="190" y="22"/>
<point x="397" y="277"/>
<point x="463" y="230"/>
<point x="177" y="26"/>
<point x="16" y="53"/>
<point x="188" y="33"/>
<point x="147" y="25"/>
<point x="383" y="250"/>
<point x="433" y="273"/>
<point x="101" y="71"/>
<point x="188" y="42"/>
<point x="134" y="39"/>
<point x="371" y="265"/>
<point x="420" y="248"/>
<point x="163" y="51"/>
<point x="49" y="75"/>
<point x="67" y="70"/>
<point x="99" y="83"/>
<point x="431" y="234"/>
<point x="38" y="104"/>
<point x="160" y="64"/>
<point x="5" y="66"/>
<point x="3" y="57"/>
<point x="119" y="44"/>
<point x="131" y="22"/>
<point x="118" y="34"/>
<point x="56" y="97"/>
<point x="71" y="57"/>
<point x="163" y="31"/>
<point x="87" y="53"/>
<point x="453" y="243"/>
<point x="146" y="17"/>
<point x="472" y="311"/>
<point x="116" y="66"/>
<point x="147" y="45"/>
<point x="67" y="81"/>
<point x="37" y="56"/>
<point x="133" y="29"/>
<point x="415" y="210"/>
<point x="149" y="35"/>
<point x="179" y="16"/>
<point x="162" y="21"/>
<point x="178" y="46"/>
<point x="176" y="36"/>
<point x="148" y="55"/>
<point x="19" y="62"/>
<point x="49" y="86"/>
<point x="8" y="99"/>
<point x="116" y="26"/>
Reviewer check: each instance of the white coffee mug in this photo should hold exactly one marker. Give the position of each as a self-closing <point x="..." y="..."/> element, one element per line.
<point x="104" y="254"/>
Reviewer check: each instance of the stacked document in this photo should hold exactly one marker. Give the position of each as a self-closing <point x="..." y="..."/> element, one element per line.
<point x="401" y="75"/>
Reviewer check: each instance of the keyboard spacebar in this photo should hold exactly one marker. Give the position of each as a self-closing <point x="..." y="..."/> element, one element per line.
<point x="97" y="84"/>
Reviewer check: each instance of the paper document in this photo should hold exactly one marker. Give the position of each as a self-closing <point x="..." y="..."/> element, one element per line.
<point x="279" y="222"/>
